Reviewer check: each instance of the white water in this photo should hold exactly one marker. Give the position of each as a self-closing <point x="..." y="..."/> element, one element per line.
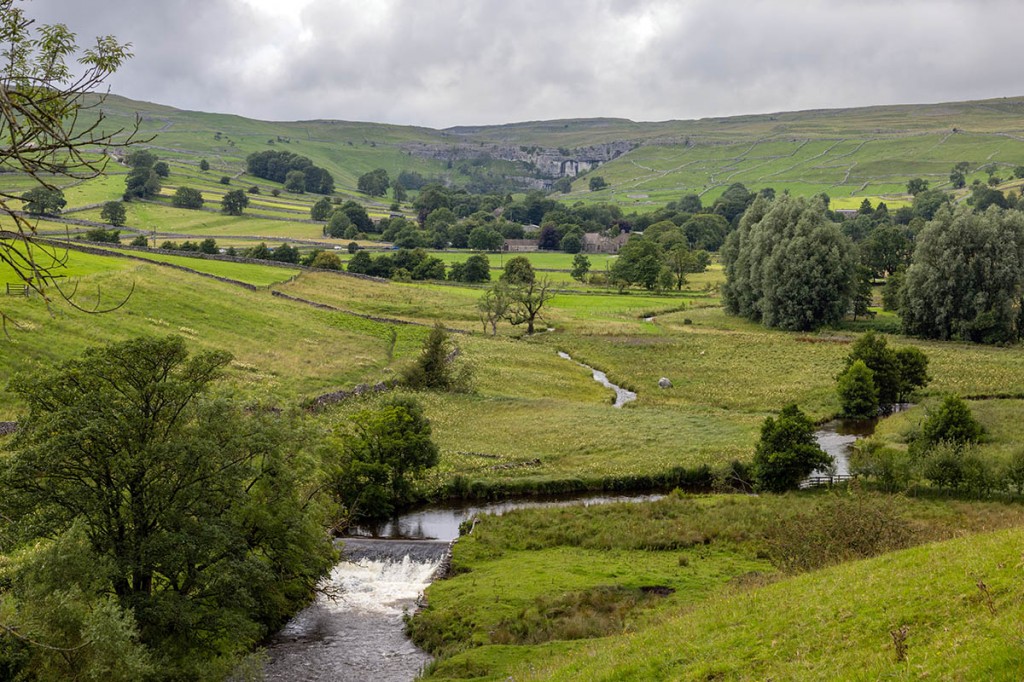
<point x="622" y="395"/>
<point x="354" y="631"/>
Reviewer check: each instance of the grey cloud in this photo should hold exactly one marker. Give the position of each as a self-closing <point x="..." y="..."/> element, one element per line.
<point x="450" y="62"/>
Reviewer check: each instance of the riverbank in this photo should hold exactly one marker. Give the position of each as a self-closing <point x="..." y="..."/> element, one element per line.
<point x="531" y="589"/>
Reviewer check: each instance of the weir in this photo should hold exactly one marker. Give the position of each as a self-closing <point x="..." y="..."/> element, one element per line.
<point x="354" y="630"/>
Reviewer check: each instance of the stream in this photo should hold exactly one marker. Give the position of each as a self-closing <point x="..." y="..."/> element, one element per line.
<point x="622" y="395"/>
<point x="354" y="630"/>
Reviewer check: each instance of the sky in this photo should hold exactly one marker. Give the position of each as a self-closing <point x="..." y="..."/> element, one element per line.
<point x="442" y="63"/>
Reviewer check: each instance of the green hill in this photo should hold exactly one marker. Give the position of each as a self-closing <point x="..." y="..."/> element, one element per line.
<point x="846" y="153"/>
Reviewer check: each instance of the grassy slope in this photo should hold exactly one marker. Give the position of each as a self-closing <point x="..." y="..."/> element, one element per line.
<point x="836" y="624"/>
<point x="710" y="550"/>
<point x="847" y="152"/>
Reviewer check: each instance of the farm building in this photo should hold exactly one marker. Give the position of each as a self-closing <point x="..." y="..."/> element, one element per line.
<point x="594" y="242"/>
<point x="521" y="245"/>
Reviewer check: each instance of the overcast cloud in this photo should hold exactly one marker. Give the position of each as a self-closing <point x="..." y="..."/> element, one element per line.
<point x="441" y="63"/>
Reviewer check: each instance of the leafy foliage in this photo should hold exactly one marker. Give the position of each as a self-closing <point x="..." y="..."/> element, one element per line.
<point x="189" y="507"/>
<point x="384" y="449"/>
<point x="234" y="202"/>
<point x="857" y="392"/>
<point x="274" y="165"/>
<point x="187" y="197"/>
<point x="787" y="266"/>
<point x="787" y="451"/>
<point x="114" y="213"/>
<point x="967" y="277"/>
<point x="438" y="366"/>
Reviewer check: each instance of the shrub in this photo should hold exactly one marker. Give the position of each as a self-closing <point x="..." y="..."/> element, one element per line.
<point x="787" y="451"/>
<point x="839" y="528"/>
<point x="437" y="367"/>
<point x="892" y="469"/>
<point x="951" y="423"/>
<point x="857" y="392"/>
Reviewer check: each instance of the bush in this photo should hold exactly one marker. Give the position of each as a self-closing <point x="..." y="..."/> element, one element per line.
<point x="437" y="367"/>
<point x="103" y="236"/>
<point x="892" y="469"/>
<point x="787" y="452"/>
<point x="857" y="392"/>
<point x="951" y="423"/>
<point x="839" y="528"/>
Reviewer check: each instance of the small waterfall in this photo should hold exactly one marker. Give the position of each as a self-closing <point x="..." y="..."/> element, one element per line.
<point x="354" y="629"/>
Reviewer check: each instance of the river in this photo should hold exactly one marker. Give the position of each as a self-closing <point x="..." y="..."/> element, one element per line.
<point x="354" y="631"/>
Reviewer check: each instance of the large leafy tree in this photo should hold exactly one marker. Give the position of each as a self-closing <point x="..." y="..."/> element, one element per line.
<point x="234" y="202"/>
<point x="191" y="509"/>
<point x="639" y="262"/>
<point x="966" y="280"/>
<point x="787" y="266"/>
<point x="375" y="183"/>
<point x="787" y="451"/>
<point x="49" y="125"/>
<point x="384" y="450"/>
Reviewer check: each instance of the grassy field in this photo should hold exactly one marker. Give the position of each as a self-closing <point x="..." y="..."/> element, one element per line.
<point x="694" y="588"/>
<point x="836" y="624"/>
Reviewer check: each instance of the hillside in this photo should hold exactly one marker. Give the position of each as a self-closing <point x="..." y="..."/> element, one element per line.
<point x="849" y="153"/>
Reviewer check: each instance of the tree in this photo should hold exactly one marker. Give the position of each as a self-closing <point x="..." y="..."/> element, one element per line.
<point x="437" y="367"/>
<point x="43" y="201"/>
<point x="597" y="183"/>
<point x="706" y="231"/>
<point x="679" y="262"/>
<point x="142" y="183"/>
<point x="162" y="169"/>
<point x="185" y="506"/>
<point x="571" y="243"/>
<point x="485" y="238"/>
<point x="187" y="197"/>
<point x="639" y="262"/>
<point x="375" y="183"/>
<point x="518" y="270"/>
<point x="526" y="302"/>
<point x="322" y="209"/>
<point x="383" y="450"/>
<point x="580" y="268"/>
<point x="295" y="181"/>
<point x="398" y="192"/>
<point x="787" y="266"/>
<point x="285" y="254"/>
<point x="52" y="127"/>
<point x="895" y="373"/>
<point x="234" y="202"/>
<point x="952" y="423"/>
<point x="476" y="268"/>
<point x="957" y="179"/>
<point x="114" y="213"/>
<point x="204" y="165"/>
<point x="857" y="392"/>
<point x="493" y="306"/>
<point x="337" y="224"/>
<point x="787" y="452"/>
<point x="208" y="246"/>
<point x="326" y="260"/>
<point x="733" y="202"/>
<point x="966" y="280"/>
<point x="916" y="186"/>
